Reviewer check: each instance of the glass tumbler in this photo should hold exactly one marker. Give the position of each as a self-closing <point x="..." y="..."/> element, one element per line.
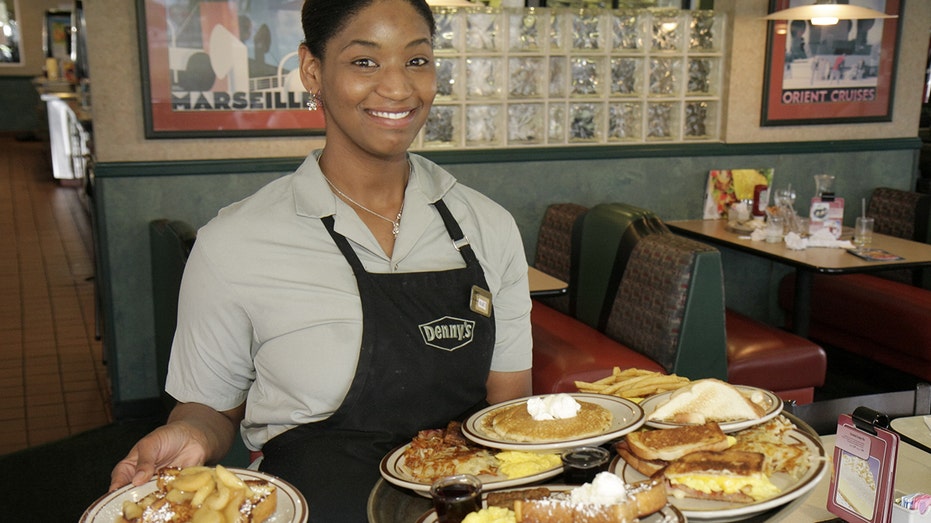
<point x="863" y="233"/>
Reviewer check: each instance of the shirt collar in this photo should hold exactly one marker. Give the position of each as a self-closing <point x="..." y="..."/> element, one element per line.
<point x="314" y="199"/>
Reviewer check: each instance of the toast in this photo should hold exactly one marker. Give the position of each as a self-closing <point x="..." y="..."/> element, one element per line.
<point x="649" y="451"/>
<point x="647" y="467"/>
<point x="641" y="499"/>
<point x="672" y="444"/>
<point x="197" y="492"/>
<point x="707" y="400"/>
<point x="731" y="475"/>
<point x="555" y="510"/>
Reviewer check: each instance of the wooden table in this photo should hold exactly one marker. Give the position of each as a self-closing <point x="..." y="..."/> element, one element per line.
<point x="915" y="430"/>
<point x="542" y="284"/>
<point x="809" y="261"/>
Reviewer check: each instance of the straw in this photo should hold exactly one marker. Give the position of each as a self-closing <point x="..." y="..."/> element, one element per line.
<point x="863" y="206"/>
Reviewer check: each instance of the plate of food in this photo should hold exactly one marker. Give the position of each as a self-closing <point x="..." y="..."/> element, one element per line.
<point x="510" y="426"/>
<point x="733" y="407"/>
<point x="436" y="453"/>
<point x="647" y="502"/>
<point x="271" y="499"/>
<point x="770" y="465"/>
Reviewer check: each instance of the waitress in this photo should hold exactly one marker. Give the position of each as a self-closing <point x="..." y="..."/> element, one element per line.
<point x="364" y="297"/>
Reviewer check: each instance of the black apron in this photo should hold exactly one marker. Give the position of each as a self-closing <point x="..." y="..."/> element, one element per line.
<point x="424" y="361"/>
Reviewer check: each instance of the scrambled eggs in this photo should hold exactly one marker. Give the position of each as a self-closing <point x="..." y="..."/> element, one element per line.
<point x="516" y="464"/>
<point x="491" y="515"/>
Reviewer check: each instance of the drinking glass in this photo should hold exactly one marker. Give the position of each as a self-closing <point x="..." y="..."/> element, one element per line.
<point x="775" y="228"/>
<point x="863" y="233"/>
<point x="824" y="183"/>
<point x="455" y="497"/>
<point x="784" y="198"/>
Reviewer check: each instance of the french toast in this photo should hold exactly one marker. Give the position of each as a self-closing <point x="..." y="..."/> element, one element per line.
<point x="641" y="499"/>
<point x="190" y="494"/>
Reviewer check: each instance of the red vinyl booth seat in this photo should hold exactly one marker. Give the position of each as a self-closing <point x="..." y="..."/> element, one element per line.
<point x="880" y="319"/>
<point x="773" y="359"/>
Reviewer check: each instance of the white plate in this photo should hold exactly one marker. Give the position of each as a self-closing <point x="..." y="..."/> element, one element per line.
<point x="720" y="511"/>
<point x="667" y="514"/>
<point x="291" y="506"/>
<point x="627" y="416"/>
<point x="772" y="405"/>
<point x="392" y="469"/>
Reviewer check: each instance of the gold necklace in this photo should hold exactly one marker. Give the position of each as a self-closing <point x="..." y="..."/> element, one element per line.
<point x="395" y="224"/>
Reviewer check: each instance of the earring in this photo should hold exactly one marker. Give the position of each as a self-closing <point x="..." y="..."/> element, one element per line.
<point x="314" y="102"/>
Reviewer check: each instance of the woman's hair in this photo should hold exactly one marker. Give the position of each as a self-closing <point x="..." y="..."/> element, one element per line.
<point x="321" y="19"/>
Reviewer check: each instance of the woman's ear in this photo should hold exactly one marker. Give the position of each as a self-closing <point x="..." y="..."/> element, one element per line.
<point x="310" y="69"/>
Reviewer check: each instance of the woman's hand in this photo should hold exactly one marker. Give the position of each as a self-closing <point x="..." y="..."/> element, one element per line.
<point x="173" y="444"/>
<point x="195" y="434"/>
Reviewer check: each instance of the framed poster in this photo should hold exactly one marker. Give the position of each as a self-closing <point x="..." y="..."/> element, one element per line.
<point x="841" y="73"/>
<point x="10" y="46"/>
<point x="56" y="34"/>
<point x="222" y="68"/>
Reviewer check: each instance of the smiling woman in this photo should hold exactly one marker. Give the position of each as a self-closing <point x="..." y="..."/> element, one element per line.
<point x="342" y="309"/>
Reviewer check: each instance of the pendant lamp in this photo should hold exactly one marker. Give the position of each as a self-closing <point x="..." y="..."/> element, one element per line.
<point x="827" y="12"/>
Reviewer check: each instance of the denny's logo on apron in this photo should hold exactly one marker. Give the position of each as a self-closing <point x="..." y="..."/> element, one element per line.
<point x="447" y="333"/>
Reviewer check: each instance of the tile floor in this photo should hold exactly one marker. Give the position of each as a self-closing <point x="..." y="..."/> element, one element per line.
<point x="53" y="382"/>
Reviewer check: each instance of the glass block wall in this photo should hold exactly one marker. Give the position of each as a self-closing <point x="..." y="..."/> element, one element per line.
<point x="539" y="77"/>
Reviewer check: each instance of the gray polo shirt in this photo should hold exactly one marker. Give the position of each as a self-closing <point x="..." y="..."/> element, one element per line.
<point x="269" y="311"/>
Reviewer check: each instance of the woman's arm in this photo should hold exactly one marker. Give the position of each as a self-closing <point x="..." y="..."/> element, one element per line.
<point x="503" y="386"/>
<point x="195" y="434"/>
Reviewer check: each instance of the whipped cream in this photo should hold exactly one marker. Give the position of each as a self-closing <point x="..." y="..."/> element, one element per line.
<point x="606" y="489"/>
<point x="557" y="406"/>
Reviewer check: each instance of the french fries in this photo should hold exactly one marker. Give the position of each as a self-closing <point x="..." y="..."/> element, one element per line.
<point x="633" y="384"/>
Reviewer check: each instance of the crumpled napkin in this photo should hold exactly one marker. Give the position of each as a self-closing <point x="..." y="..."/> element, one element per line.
<point x="758" y="235"/>
<point x="796" y="242"/>
<point x="822" y="238"/>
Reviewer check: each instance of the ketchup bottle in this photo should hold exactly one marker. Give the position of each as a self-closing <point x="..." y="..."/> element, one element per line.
<point x="760" y="200"/>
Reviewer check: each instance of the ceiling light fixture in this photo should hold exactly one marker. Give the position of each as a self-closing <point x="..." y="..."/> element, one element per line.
<point x="827" y="12"/>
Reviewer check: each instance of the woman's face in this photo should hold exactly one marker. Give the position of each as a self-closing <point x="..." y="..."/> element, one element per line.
<point x="377" y="79"/>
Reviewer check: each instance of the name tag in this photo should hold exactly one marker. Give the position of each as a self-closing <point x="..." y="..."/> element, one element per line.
<point x="480" y="302"/>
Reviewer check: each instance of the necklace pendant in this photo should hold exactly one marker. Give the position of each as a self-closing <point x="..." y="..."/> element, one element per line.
<point x="395" y="228"/>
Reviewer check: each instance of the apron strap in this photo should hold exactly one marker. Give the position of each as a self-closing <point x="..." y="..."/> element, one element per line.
<point x="343" y="245"/>
<point x="460" y="240"/>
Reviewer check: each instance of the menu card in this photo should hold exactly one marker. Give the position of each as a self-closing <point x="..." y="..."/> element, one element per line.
<point x="875" y="255"/>
<point x="865" y="453"/>
<point x="827" y="213"/>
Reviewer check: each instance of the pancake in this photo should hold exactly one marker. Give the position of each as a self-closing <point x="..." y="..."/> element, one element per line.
<point x="514" y="423"/>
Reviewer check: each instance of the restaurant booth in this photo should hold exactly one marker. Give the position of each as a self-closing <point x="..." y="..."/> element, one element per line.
<point x="140" y="178"/>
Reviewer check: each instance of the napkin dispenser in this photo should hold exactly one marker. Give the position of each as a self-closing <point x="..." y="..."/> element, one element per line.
<point x="900" y="514"/>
